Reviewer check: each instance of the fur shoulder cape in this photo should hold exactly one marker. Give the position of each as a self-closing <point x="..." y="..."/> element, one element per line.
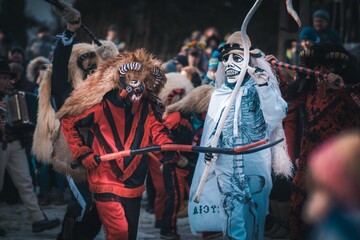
<point x="197" y="101"/>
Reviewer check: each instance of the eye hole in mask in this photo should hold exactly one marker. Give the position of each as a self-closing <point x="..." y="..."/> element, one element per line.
<point x="89" y="69"/>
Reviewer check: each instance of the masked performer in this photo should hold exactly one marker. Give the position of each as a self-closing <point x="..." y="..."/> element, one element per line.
<point x="177" y="87"/>
<point x="117" y="109"/>
<point x="185" y="119"/>
<point x="331" y="104"/>
<point x="244" y="181"/>
<point x="71" y="64"/>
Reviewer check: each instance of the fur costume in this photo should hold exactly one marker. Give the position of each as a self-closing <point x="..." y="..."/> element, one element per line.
<point x="118" y="109"/>
<point x="175" y="89"/>
<point x="185" y="119"/>
<point x="49" y="145"/>
<point x="197" y="101"/>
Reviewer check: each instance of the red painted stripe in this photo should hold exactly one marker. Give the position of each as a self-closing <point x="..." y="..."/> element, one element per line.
<point x="116" y="155"/>
<point x="251" y="145"/>
<point x="176" y="147"/>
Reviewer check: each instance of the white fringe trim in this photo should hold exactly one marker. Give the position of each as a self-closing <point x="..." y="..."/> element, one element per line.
<point x="281" y="162"/>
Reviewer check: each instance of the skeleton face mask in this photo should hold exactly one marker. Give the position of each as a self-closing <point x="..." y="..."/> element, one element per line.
<point x="232" y="63"/>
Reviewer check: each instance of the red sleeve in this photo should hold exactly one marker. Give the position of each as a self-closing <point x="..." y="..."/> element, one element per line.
<point x="172" y="120"/>
<point x="69" y="126"/>
<point x="159" y="133"/>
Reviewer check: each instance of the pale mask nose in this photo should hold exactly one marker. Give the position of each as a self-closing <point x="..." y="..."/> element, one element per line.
<point x="134" y="83"/>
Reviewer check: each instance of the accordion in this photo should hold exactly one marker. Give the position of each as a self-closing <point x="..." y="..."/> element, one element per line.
<point x="21" y="109"/>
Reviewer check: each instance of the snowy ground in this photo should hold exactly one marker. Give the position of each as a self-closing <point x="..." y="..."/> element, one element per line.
<point x="13" y="218"/>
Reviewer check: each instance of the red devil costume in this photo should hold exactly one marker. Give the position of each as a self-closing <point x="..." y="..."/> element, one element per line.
<point x="185" y="119"/>
<point x="117" y="109"/>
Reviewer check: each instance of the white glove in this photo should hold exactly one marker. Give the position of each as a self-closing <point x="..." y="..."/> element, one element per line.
<point x="210" y="157"/>
<point x="334" y="81"/>
<point x="259" y="75"/>
<point x="182" y="162"/>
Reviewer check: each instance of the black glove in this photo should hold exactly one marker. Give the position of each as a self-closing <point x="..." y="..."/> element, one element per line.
<point x="91" y="162"/>
<point x="168" y="157"/>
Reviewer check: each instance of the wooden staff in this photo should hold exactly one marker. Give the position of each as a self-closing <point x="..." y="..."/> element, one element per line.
<point x="247" y="149"/>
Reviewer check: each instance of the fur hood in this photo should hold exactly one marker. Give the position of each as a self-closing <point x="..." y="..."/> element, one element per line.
<point x="197" y="101"/>
<point x="177" y="87"/>
<point x="76" y="75"/>
<point x="107" y="78"/>
<point x="33" y="66"/>
<point x="103" y="52"/>
<point x="49" y="146"/>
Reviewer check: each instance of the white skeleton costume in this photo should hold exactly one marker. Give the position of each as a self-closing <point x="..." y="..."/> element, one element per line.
<point x="243" y="181"/>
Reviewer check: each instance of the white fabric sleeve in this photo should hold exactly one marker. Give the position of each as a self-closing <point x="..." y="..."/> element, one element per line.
<point x="273" y="106"/>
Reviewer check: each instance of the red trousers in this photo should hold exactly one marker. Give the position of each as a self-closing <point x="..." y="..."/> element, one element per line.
<point x="119" y="217"/>
<point x="158" y="181"/>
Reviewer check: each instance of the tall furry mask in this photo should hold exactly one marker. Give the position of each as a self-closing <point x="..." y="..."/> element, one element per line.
<point x="117" y="73"/>
<point x="132" y="80"/>
<point x="140" y="74"/>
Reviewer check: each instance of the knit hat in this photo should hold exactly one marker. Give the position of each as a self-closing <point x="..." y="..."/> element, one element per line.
<point x="309" y="33"/>
<point x="214" y="61"/>
<point x="321" y="13"/>
<point x="336" y="167"/>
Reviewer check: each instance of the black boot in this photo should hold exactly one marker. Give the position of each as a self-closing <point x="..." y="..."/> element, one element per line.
<point x="45" y="225"/>
<point x="67" y="230"/>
